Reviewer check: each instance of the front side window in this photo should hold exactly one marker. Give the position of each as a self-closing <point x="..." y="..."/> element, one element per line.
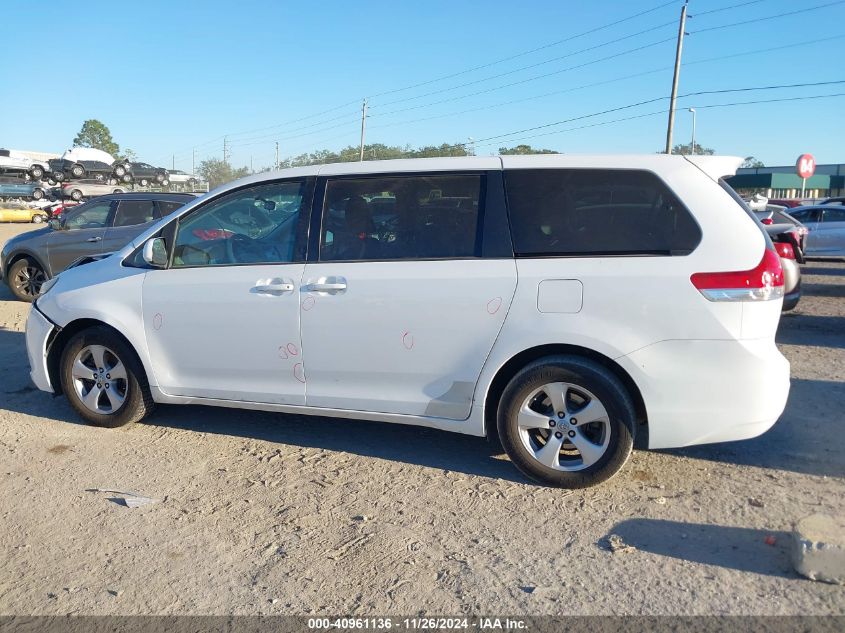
<point x="132" y="212"/>
<point x="807" y="215"/>
<point x="166" y="208"/>
<point x="834" y="215"/>
<point x="596" y="212"/>
<point x="401" y="217"/>
<point x="255" y="225"/>
<point x="93" y="216"/>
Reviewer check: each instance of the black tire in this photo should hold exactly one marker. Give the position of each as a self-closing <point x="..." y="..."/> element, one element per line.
<point x="37" y="194"/>
<point x="36" y="172"/>
<point x="127" y="178"/>
<point x="137" y="404"/>
<point x="52" y="182"/>
<point x="143" y="182"/>
<point x="590" y="376"/>
<point x="38" y="219"/>
<point x="118" y="190"/>
<point x="77" y="171"/>
<point x="165" y="183"/>
<point x="25" y="279"/>
<point x="58" y="176"/>
<point x="119" y="171"/>
<point x="159" y="178"/>
<point x="76" y="195"/>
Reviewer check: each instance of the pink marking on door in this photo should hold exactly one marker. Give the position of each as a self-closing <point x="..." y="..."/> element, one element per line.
<point x="299" y="372"/>
<point x="408" y="340"/>
<point x="158" y="320"/>
<point x="293" y="350"/>
<point x="493" y="305"/>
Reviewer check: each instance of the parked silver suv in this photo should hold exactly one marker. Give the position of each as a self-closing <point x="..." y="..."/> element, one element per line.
<point x="99" y="226"/>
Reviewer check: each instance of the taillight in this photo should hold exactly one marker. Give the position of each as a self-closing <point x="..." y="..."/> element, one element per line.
<point x="767" y="221"/>
<point x="761" y="283"/>
<point x="785" y="250"/>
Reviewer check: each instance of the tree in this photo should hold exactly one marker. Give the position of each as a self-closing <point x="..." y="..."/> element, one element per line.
<point x="129" y="155"/>
<point x="95" y="134"/>
<point x="217" y="172"/>
<point x="751" y="162"/>
<point x="685" y="149"/>
<point x="524" y="149"/>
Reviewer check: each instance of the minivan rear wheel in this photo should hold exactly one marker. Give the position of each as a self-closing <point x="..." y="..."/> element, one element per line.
<point x="103" y="379"/>
<point x="567" y="421"/>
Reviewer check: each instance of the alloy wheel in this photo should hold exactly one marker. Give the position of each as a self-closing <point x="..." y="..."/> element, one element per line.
<point x="29" y="279"/>
<point x="564" y="426"/>
<point x="99" y="379"/>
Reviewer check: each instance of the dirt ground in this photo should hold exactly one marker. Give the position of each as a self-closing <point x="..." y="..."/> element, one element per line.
<point x="259" y="513"/>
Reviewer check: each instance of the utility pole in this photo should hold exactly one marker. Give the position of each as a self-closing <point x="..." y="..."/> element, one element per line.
<point x="225" y="149"/>
<point x="363" y="128"/>
<point x="692" y="145"/>
<point x="251" y="170"/>
<point x="678" y="50"/>
<point x="173" y="164"/>
<point x="194" y="161"/>
<point x="277" y="154"/>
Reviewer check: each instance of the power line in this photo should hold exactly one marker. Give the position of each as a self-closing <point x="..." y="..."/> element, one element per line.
<point x="535" y="65"/>
<point x="524" y="53"/>
<point x="769" y="17"/>
<point x="697" y="14"/>
<point x="591" y="85"/>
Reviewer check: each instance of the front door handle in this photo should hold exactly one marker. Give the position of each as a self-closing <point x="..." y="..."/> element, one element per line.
<point x="95" y="239"/>
<point x="329" y="285"/>
<point x="273" y="287"/>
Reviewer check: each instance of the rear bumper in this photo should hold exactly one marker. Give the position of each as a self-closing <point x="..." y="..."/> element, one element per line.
<point x="39" y="332"/>
<point x="727" y="390"/>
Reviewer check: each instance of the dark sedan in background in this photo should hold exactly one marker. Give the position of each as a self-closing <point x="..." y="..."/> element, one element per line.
<point x="102" y="225"/>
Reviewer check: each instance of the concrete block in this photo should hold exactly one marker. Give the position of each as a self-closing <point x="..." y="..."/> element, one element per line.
<point x="818" y="548"/>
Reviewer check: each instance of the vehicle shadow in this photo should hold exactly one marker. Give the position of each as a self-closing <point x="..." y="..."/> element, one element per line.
<point x="823" y="290"/>
<point x="806" y="439"/>
<point x="815" y="330"/>
<point x="414" y="445"/>
<point x="743" y="549"/>
<point x="809" y="269"/>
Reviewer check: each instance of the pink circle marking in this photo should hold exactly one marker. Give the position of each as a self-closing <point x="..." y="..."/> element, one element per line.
<point x="158" y="321"/>
<point x="293" y="350"/>
<point x="308" y="302"/>
<point x="408" y="340"/>
<point x="298" y="372"/>
<point x="493" y="305"/>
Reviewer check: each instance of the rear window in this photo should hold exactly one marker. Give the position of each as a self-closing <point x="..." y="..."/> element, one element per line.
<point x="593" y="212"/>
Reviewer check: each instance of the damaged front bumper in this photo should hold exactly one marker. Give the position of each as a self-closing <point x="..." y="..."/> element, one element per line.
<point x="40" y="332"/>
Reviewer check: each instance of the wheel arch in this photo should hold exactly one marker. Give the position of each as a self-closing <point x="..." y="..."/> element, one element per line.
<point x="19" y="255"/>
<point x="510" y="368"/>
<point x="60" y="340"/>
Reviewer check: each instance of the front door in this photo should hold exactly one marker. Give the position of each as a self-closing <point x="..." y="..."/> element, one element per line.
<point x="401" y="310"/>
<point x="81" y="236"/>
<point x="131" y="218"/>
<point x="830" y="232"/>
<point x="222" y="321"/>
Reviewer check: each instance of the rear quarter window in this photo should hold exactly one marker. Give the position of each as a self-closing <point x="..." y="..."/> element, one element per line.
<point x="593" y="212"/>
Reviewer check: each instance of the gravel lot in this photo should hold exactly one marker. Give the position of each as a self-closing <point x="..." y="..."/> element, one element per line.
<point x="264" y="513"/>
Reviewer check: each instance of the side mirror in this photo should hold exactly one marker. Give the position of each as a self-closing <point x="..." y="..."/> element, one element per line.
<point x="155" y="252"/>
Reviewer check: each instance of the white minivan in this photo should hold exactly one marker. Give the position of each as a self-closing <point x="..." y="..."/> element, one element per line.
<point x="570" y="305"/>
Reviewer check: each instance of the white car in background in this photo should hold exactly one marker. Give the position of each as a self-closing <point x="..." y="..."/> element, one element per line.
<point x="178" y="177"/>
<point x="78" y="189"/>
<point x="571" y="305"/>
<point x="12" y="162"/>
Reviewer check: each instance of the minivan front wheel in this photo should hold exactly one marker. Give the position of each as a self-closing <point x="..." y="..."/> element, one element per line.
<point x="103" y="379"/>
<point x="567" y="421"/>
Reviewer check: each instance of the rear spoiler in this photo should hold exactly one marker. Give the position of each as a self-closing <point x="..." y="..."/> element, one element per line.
<point x="716" y="166"/>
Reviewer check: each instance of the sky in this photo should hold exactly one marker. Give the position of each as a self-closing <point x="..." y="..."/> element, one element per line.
<point x="173" y="77"/>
